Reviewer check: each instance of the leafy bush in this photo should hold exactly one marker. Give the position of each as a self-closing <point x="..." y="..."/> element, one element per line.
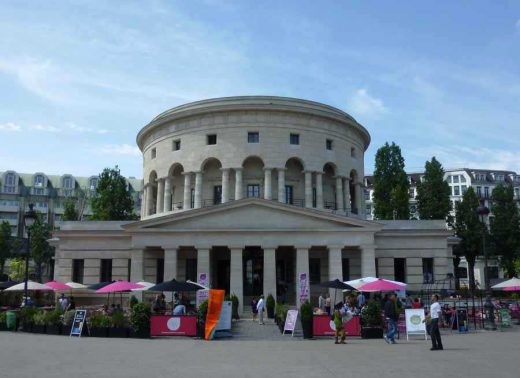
<point x="68" y="317"/>
<point x="203" y="310"/>
<point x="39" y="318"/>
<point x="281" y="311"/>
<point x="371" y="315"/>
<point x="3" y="318"/>
<point x="100" y="321"/>
<point x="270" y="302"/>
<point x="133" y="301"/>
<point x="306" y="311"/>
<point x="27" y="314"/>
<point x="119" y="319"/>
<point x="53" y="318"/>
<point x="140" y="317"/>
<point x="234" y="302"/>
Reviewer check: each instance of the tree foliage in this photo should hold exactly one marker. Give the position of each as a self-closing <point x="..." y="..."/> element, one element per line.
<point x="390" y="184"/>
<point x="70" y="212"/>
<point x="17" y="269"/>
<point x="112" y="200"/>
<point x="505" y="228"/>
<point x="469" y="229"/>
<point x="41" y="251"/>
<point x="433" y="193"/>
<point x="5" y="244"/>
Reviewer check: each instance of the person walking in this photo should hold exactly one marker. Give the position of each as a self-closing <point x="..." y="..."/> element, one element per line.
<point x="254" y="310"/>
<point x="338" y="324"/>
<point x="391" y="317"/>
<point x="260" y="309"/>
<point x="435" y="314"/>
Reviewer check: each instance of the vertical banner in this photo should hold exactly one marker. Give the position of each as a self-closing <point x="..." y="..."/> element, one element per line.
<point x="202" y="295"/>
<point x="303" y="287"/>
<point x="215" y="301"/>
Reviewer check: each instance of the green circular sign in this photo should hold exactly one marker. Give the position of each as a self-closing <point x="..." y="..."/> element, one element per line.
<point x="415" y="319"/>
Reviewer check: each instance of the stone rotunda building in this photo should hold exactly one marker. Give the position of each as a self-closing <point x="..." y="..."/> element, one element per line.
<point x="255" y="193"/>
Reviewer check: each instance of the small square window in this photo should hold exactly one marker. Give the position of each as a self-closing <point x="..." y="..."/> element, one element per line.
<point x="294" y="139"/>
<point x="212" y="139"/>
<point x="177" y="145"/>
<point x="328" y="144"/>
<point x="253" y="137"/>
<point x="352" y="152"/>
<point x="154" y="153"/>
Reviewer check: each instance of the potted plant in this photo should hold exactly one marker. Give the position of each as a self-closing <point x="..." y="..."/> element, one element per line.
<point x="281" y="314"/>
<point x="53" y="321"/>
<point x="133" y="301"/>
<point x="235" y="302"/>
<point x="26" y="318"/>
<point x="99" y="325"/>
<point x="306" y="316"/>
<point x="269" y="305"/>
<point x="67" y="319"/>
<point x="201" y="319"/>
<point x="119" y="325"/>
<point x="3" y="321"/>
<point x="140" y="320"/>
<point x="39" y="322"/>
<point x="372" y="321"/>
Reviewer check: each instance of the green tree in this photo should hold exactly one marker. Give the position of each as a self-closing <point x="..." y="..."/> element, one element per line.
<point x="17" y="269"/>
<point x="112" y="200"/>
<point x="70" y="212"/>
<point x="5" y="244"/>
<point x="433" y="193"/>
<point x="469" y="229"/>
<point x="505" y="228"/>
<point x="41" y="251"/>
<point x="390" y="184"/>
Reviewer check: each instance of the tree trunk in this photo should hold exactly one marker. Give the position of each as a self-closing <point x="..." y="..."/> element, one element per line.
<point x="471" y="275"/>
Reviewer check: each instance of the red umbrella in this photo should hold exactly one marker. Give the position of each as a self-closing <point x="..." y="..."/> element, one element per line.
<point x="57" y="285"/>
<point x="382" y="285"/>
<point x="119" y="286"/>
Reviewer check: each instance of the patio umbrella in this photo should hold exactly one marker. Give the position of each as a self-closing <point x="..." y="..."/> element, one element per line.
<point x="57" y="285"/>
<point x="31" y="285"/>
<point x="8" y="284"/>
<point x="358" y="283"/>
<point x="145" y="286"/>
<point x="382" y="285"/>
<point x="175" y="285"/>
<point x="336" y="284"/>
<point x="99" y="285"/>
<point x="118" y="287"/>
<point x="75" y="285"/>
<point x="512" y="284"/>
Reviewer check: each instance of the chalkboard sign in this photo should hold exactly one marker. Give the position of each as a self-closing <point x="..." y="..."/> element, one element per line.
<point x="77" y="325"/>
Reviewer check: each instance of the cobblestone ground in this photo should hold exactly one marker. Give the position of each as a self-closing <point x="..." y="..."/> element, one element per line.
<point x="259" y="351"/>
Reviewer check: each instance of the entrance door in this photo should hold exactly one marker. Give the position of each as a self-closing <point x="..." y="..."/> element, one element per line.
<point x="223" y="275"/>
<point x="253" y="271"/>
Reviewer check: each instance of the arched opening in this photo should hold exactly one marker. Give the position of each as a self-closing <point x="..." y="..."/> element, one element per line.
<point x="329" y="186"/>
<point x="353" y="194"/>
<point x="211" y="182"/>
<point x="151" y="193"/>
<point x="253" y="177"/>
<point x="174" y="199"/>
<point x="295" y="182"/>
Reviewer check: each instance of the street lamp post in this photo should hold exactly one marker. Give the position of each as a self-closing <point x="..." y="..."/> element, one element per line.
<point x="29" y="218"/>
<point x="489" y="323"/>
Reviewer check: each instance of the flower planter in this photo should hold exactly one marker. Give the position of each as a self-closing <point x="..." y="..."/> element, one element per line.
<point x="54" y="329"/>
<point x="307" y="329"/>
<point x="3" y="327"/>
<point x="27" y="327"/>
<point x="39" y="328"/>
<point x="372" y="333"/>
<point x="140" y="334"/>
<point x="120" y="332"/>
<point x="98" y="332"/>
<point x="270" y="312"/>
<point x="65" y="330"/>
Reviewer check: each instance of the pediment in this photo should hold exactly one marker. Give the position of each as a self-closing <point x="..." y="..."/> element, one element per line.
<point x="252" y="214"/>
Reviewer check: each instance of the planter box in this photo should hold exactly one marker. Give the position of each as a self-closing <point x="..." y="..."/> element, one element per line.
<point x="307" y="329"/>
<point x="54" y="330"/>
<point x="65" y="330"/>
<point x="372" y="332"/>
<point x="98" y="332"/>
<point x="270" y="313"/>
<point x="27" y="327"/>
<point x="3" y="327"/>
<point x="39" y="328"/>
<point x="121" y="332"/>
<point x="141" y="334"/>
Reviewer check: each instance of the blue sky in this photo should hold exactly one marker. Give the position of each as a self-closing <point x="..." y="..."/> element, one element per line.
<point x="79" y="79"/>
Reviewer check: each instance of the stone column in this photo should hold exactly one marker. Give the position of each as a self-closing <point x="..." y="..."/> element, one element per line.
<point x="267" y="184"/>
<point x="187" y="191"/>
<point x="281" y="185"/>
<point x="302" y="267"/>
<point x="360" y="198"/>
<point x="137" y="269"/>
<point x="167" y="194"/>
<point x="149" y="199"/>
<point x="368" y="260"/>
<point x="170" y="263"/>
<point x="308" y="189"/>
<point x="335" y="271"/>
<point x="238" y="184"/>
<point x="236" y="276"/>
<point x="160" y="196"/>
<point x="203" y="262"/>
<point x="339" y="193"/>
<point x="269" y="272"/>
<point x="319" y="190"/>
<point x="225" y="185"/>
<point x="346" y="193"/>
<point x="144" y="210"/>
<point x="198" y="190"/>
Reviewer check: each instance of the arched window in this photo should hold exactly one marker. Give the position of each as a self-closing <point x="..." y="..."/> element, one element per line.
<point x="10" y="183"/>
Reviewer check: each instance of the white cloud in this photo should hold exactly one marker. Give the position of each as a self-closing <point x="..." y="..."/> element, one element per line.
<point x="45" y="128"/>
<point x="361" y="103"/>
<point x="120" y="149"/>
<point x="9" y="126"/>
<point x="81" y="129"/>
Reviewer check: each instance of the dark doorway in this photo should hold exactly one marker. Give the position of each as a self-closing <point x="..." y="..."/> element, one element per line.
<point x="220" y="271"/>
<point x="222" y="279"/>
<point x="253" y="271"/>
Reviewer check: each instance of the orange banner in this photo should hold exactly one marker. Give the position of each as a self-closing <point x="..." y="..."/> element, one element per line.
<point x="215" y="301"/>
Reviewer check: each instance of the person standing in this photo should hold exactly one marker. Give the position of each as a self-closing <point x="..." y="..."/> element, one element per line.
<point x="254" y="310"/>
<point x="260" y="309"/>
<point x="360" y="300"/>
<point x="321" y="303"/>
<point x="327" y="304"/>
<point x="391" y="317"/>
<point x="338" y="324"/>
<point x="64" y="302"/>
<point x="435" y="313"/>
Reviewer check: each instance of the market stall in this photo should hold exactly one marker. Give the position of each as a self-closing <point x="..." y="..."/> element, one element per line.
<point x="173" y="325"/>
<point x="324" y="326"/>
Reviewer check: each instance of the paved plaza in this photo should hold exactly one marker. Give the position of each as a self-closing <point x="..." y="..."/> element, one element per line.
<point x="258" y="351"/>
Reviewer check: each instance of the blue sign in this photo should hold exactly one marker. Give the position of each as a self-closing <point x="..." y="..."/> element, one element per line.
<point x="77" y="325"/>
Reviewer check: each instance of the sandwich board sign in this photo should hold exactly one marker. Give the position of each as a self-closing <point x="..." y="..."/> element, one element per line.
<point x="80" y="316"/>
<point x="291" y="321"/>
<point x="415" y="324"/>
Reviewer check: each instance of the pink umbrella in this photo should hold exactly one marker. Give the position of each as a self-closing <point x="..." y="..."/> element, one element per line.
<point x="57" y="285"/>
<point x="119" y="286"/>
<point x="382" y="285"/>
<point x="512" y="288"/>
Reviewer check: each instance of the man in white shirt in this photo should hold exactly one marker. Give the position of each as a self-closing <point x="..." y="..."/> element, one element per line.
<point x="435" y="313"/>
<point x="260" y="308"/>
<point x="63" y="301"/>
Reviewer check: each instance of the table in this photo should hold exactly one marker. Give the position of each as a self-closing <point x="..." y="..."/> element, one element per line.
<point x="169" y="325"/>
<point x="321" y="326"/>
